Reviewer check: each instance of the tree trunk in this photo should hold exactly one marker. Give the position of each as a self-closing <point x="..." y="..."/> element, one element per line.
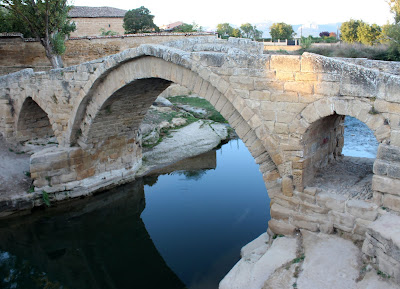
<point x="55" y="59"/>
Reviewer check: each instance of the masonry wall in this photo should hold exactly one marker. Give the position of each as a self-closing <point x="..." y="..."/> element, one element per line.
<point x="17" y="54"/>
<point x="93" y="26"/>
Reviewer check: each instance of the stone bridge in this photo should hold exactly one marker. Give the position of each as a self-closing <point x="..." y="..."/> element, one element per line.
<point x="288" y="110"/>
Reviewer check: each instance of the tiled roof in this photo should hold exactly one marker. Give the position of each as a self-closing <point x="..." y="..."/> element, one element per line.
<point x="96" y="12"/>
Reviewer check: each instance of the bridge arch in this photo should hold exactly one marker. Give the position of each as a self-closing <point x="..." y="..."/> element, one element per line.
<point x="116" y="103"/>
<point x="32" y="121"/>
<point x="323" y="138"/>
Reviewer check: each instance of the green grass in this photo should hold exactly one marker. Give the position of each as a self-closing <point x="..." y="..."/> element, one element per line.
<point x="198" y="102"/>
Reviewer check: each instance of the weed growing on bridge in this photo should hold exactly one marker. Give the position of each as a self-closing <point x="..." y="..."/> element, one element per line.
<point x="373" y="111"/>
<point x="45" y="197"/>
<point x="383" y="275"/>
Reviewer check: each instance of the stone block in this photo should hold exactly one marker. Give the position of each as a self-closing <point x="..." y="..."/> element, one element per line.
<point x="327" y="88"/>
<point x="285" y="75"/>
<point x="388" y="153"/>
<point x="386" y="185"/>
<point x="310" y="191"/>
<point x="362" y="209"/>
<point x="287" y="202"/>
<point x="392" y="202"/>
<point x="287" y="186"/>
<point x="285" y="63"/>
<point x="287" y="96"/>
<point x="283" y="228"/>
<point x="313" y="227"/>
<point x="260" y="95"/>
<point x="305" y="197"/>
<point x="306" y="76"/>
<point x="331" y="201"/>
<point x="280" y="213"/>
<point x="361" y="226"/>
<point x="303" y="87"/>
<point x="326" y="228"/>
<point x="311" y="208"/>
<point x="341" y="220"/>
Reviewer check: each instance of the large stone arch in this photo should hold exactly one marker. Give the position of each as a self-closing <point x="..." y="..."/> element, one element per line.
<point x="150" y="75"/>
<point x="323" y="134"/>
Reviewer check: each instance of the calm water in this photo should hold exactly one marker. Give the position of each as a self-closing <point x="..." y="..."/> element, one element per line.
<point x="179" y="230"/>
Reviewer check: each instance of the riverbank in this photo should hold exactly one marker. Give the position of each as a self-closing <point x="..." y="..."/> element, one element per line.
<point x="306" y="260"/>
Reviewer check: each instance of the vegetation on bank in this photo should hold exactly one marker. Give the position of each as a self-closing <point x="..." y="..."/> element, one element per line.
<point x="201" y="103"/>
<point x="157" y="116"/>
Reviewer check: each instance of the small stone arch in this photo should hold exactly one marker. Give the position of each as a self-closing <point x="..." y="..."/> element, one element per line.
<point x="364" y="111"/>
<point x="323" y="133"/>
<point x="33" y="122"/>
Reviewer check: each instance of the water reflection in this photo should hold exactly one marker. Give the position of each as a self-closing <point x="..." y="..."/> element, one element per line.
<point x="98" y="244"/>
<point x="198" y="215"/>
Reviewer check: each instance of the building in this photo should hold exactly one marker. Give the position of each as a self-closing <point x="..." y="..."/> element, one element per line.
<point x="90" y="21"/>
<point x="171" y="26"/>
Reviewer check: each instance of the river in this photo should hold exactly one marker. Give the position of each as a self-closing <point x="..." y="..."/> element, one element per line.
<point x="182" y="229"/>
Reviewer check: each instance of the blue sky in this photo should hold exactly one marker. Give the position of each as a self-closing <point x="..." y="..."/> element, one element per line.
<point x="209" y="13"/>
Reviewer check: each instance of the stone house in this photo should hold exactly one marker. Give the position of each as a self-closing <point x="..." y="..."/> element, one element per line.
<point x="90" y="21"/>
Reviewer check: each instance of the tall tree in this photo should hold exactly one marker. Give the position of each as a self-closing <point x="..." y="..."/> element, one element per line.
<point x="224" y="29"/>
<point x="47" y="20"/>
<point x="139" y="20"/>
<point x="349" y="30"/>
<point x="249" y="31"/>
<point x="281" y="31"/>
<point x="395" y="9"/>
<point x="369" y="34"/>
<point x="9" y="23"/>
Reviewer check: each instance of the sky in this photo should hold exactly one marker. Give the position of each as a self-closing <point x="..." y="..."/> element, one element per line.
<point x="208" y="13"/>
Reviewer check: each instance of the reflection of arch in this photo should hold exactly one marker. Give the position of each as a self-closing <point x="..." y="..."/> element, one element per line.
<point x="323" y="137"/>
<point x="138" y="81"/>
<point x="55" y="247"/>
<point x="33" y="122"/>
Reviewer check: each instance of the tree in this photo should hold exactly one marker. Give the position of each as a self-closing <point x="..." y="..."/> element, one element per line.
<point x="138" y="21"/>
<point x="395" y="9"/>
<point x="48" y="22"/>
<point x="324" y="34"/>
<point x="188" y="28"/>
<point x="391" y="32"/>
<point x="9" y="23"/>
<point x="236" y="33"/>
<point x="249" y="31"/>
<point x="369" y="34"/>
<point x="224" y="29"/>
<point x="349" y="30"/>
<point x="281" y="31"/>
